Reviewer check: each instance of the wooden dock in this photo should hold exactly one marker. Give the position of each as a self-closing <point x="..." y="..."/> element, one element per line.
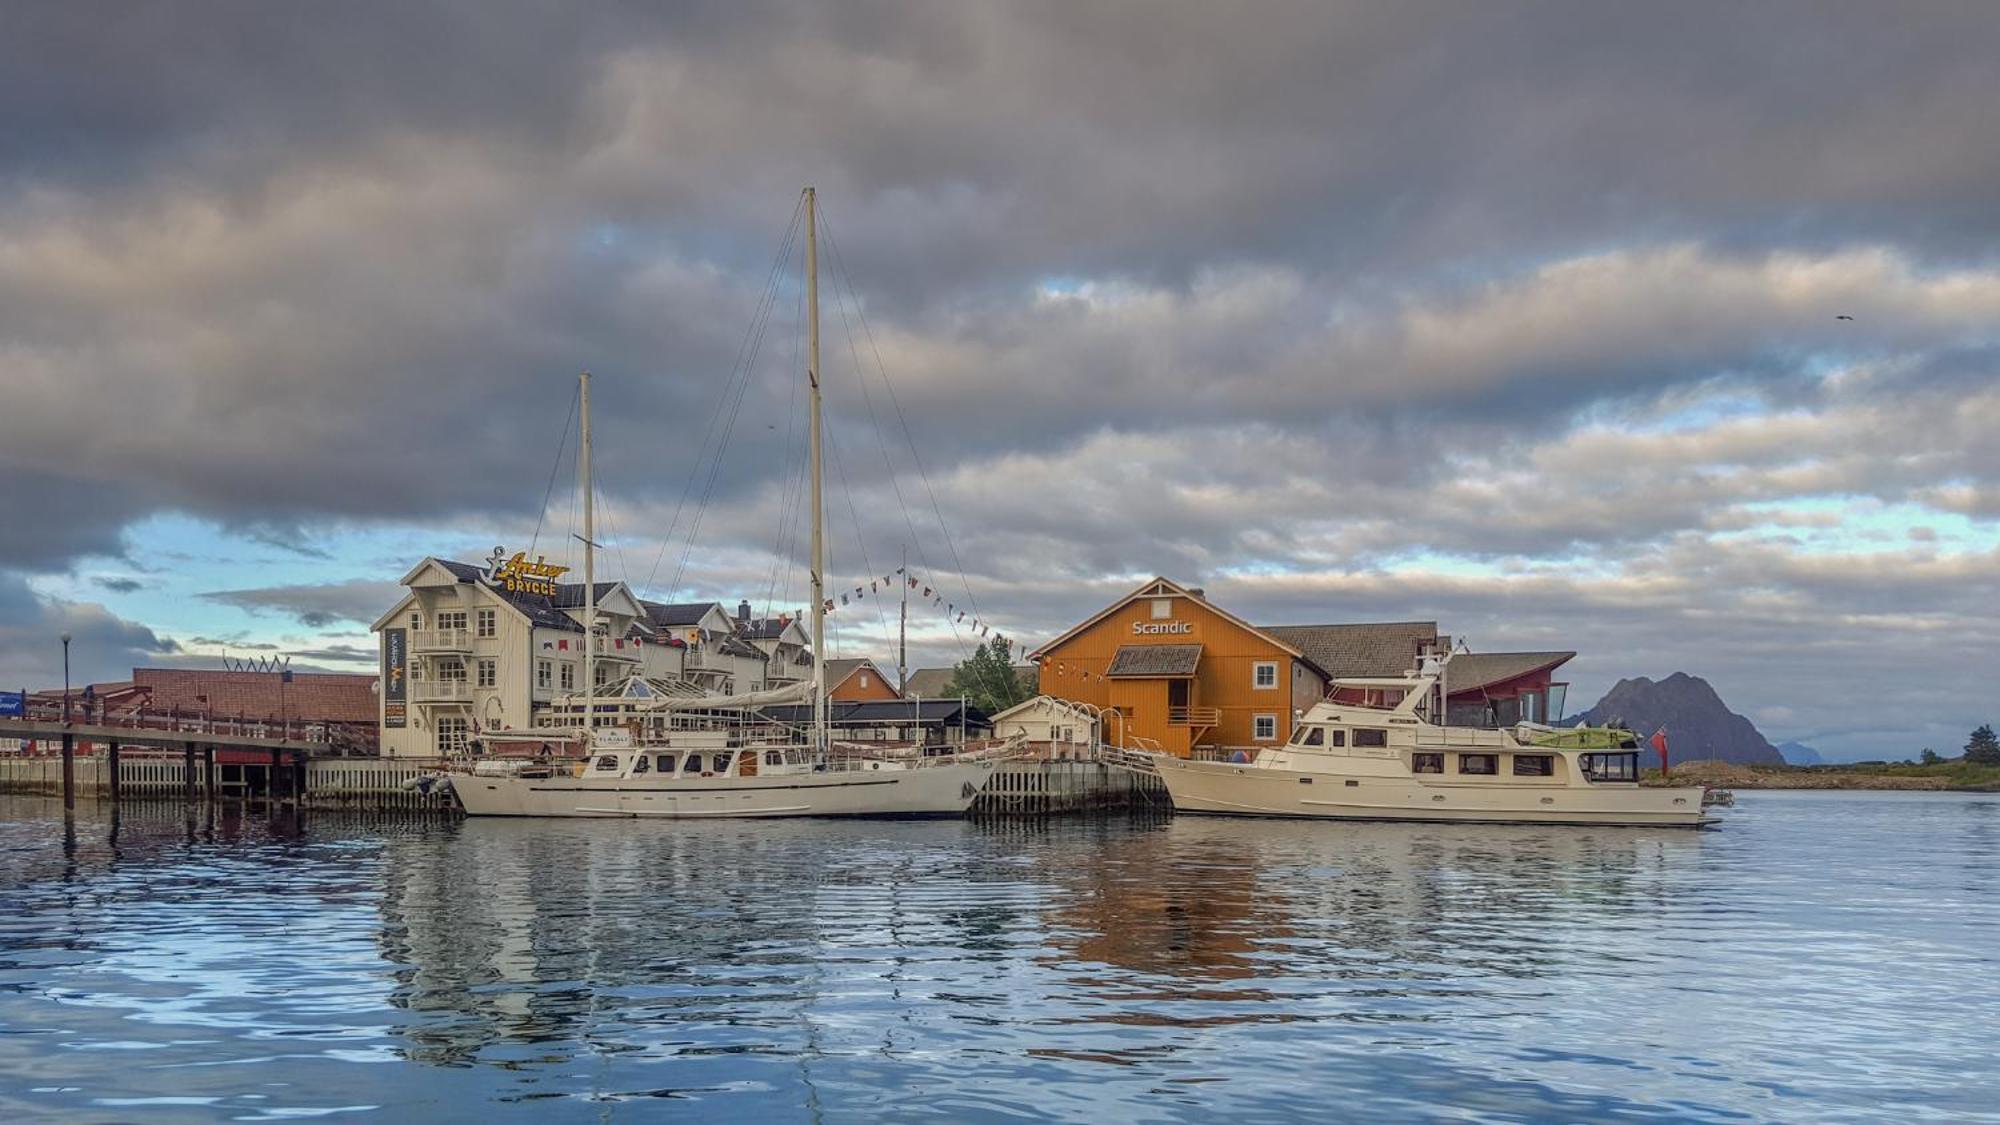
<point x="1024" y="788"/>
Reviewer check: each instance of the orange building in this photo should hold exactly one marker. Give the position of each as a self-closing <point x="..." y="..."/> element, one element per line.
<point x="1181" y="672"/>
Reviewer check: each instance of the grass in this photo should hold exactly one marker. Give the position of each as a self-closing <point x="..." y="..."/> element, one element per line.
<point x="1955" y="774"/>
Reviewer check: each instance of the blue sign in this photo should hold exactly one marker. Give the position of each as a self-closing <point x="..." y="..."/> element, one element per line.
<point x="14" y="703"/>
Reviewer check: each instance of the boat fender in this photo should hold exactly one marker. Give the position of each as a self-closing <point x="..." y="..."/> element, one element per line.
<point x="1238" y="757"/>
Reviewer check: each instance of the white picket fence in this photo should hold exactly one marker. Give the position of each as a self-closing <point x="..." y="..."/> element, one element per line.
<point x="354" y="782"/>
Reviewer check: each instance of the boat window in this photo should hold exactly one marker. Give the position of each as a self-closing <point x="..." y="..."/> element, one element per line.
<point x="1427" y="763"/>
<point x="773" y="758"/>
<point x="607" y="761"/>
<point x="1336" y="738"/>
<point x="693" y="764"/>
<point x="1479" y="763"/>
<point x="1534" y="765"/>
<point x="641" y="764"/>
<point x="1610" y="767"/>
<point x="722" y="763"/>
<point x="1366" y="737"/>
<point x="1312" y="736"/>
<point x="666" y="763"/>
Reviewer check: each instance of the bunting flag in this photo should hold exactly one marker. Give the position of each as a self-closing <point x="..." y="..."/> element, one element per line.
<point x="843" y="599"/>
<point x="927" y="591"/>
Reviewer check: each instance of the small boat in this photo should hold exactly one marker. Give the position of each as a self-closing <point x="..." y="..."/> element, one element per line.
<point x="706" y="756"/>
<point x="1373" y="750"/>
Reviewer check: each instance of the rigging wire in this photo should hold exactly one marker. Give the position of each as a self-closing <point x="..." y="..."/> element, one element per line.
<point x="710" y="432"/>
<point x="754" y="347"/>
<point x="555" y="467"/>
<point x="972" y="603"/>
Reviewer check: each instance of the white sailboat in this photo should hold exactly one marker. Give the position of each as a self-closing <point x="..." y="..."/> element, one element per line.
<point x="717" y="760"/>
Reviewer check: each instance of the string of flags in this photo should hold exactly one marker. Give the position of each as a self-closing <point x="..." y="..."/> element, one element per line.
<point x="900" y="580"/>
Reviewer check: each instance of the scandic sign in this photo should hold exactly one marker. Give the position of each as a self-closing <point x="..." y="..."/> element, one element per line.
<point x="1148" y="628"/>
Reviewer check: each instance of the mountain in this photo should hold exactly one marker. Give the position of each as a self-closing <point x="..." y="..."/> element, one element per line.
<point x="1799" y="754"/>
<point x="1699" y="725"/>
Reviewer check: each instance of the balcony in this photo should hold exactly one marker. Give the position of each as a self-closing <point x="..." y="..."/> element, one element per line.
<point x="441" y="691"/>
<point x="441" y="640"/>
<point x="1193" y="716"/>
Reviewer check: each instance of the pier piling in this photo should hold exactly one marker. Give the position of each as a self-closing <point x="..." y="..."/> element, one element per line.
<point x="69" y="771"/>
<point x="111" y="762"/>
<point x="187" y="772"/>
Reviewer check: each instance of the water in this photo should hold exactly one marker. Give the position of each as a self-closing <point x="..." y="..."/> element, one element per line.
<point x="1824" y="956"/>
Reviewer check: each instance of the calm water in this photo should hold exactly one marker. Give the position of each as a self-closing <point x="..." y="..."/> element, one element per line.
<point x="1824" y="956"/>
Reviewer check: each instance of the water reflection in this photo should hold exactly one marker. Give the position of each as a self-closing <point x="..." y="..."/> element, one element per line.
<point x="1073" y="969"/>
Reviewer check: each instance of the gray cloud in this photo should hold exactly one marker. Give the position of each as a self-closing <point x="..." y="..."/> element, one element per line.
<point x="359" y="600"/>
<point x="1322" y="293"/>
<point x="103" y="646"/>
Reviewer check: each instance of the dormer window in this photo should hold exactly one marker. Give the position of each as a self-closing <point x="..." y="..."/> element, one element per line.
<point x="1163" y="608"/>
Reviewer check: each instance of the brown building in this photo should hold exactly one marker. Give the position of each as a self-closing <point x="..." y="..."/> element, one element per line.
<point x="1192" y="678"/>
<point x="856" y="680"/>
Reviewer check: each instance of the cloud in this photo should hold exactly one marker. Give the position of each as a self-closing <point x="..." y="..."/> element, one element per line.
<point x="1517" y="316"/>
<point x="317" y="606"/>
<point x="117" y="584"/>
<point x="103" y="646"/>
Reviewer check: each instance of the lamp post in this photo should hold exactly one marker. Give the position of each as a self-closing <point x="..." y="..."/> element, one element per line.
<point x="65" y="641"/>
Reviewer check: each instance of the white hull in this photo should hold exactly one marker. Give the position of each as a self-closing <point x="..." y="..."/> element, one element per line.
<point x="1241" y="790"/>
<point x="940" y="790"/>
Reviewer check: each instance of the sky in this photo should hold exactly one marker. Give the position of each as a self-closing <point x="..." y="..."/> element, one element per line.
<point x="1524" y="318"/>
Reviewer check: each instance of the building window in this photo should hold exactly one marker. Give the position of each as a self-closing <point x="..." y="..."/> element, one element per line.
<point x="1264" y="674"/>
<point x="488" y="673"/>
<point x="452" y="736"/>
<point x="1264" y="728"/>
<point x="568" y="676"/>
<point x="864" y="679"/>
<point x="1163" y="608"/>
<point x="1482" y="765"/>
<point x="1427" y="763"/>
<point x="451" y="670"/>
<point x="1375" y="738"/>
<point x="545" y="674"/>
<point x="416" y="622"/>
<point x="487" y="625"/>
<point x="1534" y="765"/>
<point x="452" y="620"/>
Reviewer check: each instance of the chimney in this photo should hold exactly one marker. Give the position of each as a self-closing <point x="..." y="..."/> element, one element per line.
<point x="743" y="612"/>
<point x="1198" y="592"/>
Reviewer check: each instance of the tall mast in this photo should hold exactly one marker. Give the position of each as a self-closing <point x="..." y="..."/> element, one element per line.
<point x="589" y="562"/>
<point x="903" y="622"/>
<point x="818" y="508"/>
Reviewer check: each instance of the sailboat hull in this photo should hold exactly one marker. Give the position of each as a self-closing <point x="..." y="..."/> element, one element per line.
<point x="931" y="791"/>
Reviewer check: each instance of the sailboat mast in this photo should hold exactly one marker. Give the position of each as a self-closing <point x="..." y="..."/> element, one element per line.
<point x="589" y="561"/>
<point x="818" y="507"/>
<point x="903" y="623"/>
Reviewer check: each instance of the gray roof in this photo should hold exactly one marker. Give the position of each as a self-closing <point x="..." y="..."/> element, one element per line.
<point x="539" y="610"/>
<point x="678" y="613"/>
<point x="1142" y="661"/>
<point x="763" y="628"/>
<point x="839" y="669"/>
<point x="1471" y="671"/>
<point x="880" y="712"/>
<point x="569" y="595"/>
<point x="933" y="683"/>
<point x="1380" y="649"/>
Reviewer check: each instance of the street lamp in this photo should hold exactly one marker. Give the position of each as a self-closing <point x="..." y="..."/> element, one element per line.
<point x="65" y="641"/>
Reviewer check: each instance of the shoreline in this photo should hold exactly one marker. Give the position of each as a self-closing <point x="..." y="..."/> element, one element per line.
<point x="1943" y="777"/>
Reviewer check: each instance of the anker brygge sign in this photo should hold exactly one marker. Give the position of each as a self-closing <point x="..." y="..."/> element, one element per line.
<point x="1150" y="628"/>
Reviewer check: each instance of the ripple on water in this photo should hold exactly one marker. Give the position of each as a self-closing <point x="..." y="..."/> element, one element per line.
<point x="1815" y="959"/>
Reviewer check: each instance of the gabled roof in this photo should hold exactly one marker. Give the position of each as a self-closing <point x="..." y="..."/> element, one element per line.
<point x="1374" y="649"/>
<point x="735" y="646"/>
<point x="1048" y="703"/>
<point x="569" y="595"/>
<point x="932" y="683"/>
<point x="1162" y="587"/>
<point x="765" y="628"/>
<point x="540" y="611"/>
<point x="1471" y="671"/>
<point x="675" y="614"/>
<point x="837" y="671"/>
<point x="1153" y="661"/>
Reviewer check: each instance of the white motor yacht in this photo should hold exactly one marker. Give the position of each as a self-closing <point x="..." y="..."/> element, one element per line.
<point x="1386" y="758"/>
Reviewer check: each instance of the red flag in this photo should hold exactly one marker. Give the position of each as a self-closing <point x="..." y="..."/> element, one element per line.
<point x="562" y="646"/>
<point x="1659" y="741"/>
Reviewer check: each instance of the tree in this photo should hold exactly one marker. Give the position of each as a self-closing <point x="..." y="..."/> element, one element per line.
<point x="1984" y="748"/>
<point x="986" y="678"/>
<point x="1930" y="757"/>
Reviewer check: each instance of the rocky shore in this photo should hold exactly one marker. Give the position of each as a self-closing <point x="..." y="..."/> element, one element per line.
<point x="1952" y="775"/>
